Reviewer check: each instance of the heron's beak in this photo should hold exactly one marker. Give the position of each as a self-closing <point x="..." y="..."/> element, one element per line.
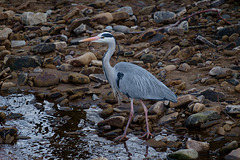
<point x="90" y="39"/>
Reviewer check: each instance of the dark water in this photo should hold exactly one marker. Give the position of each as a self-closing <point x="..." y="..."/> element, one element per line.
<point x="56" y="134"/>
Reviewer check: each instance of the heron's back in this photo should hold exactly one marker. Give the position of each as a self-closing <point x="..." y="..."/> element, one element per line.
<point x="138" y="83"/>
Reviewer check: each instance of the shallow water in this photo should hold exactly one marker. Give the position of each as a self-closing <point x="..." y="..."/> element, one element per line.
<point x="55" y="134"/>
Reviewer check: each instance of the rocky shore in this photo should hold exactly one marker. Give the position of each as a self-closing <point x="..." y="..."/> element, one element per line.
<point x="191" y="46"/>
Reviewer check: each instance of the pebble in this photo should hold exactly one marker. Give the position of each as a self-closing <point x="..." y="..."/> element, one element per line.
<point x="156" y="39"/>
<point x="43" y="48"/>
<point x="155" y="144"/>
<point x="114" y="121"/>
<point x="126" y="9"/>
<point x="5" y="33"/>
<point x="198" y="107"/>
<point x="2" y="118"/>
<point x="121" y="28"/>
<point x="82" y="60"/>
<point x="205" y="41"/>
<point x="161" y="16"/>
<point x="30" y="18"/>
<point x="184" y="67"/>
<point x="185" y="53"/>
<point x="197" y="145"/>
<point x="220" y="131"/>
<point x="168" y="118"/>
<point x="65" y="67"/>
<point x="102" y="18"/>
<point x="46" y="79"/>
<point x="148" y="58"/>
<point x="233" y="109"/>
<point x="229" y="147"/>
<point x="118" y="16"/>
<point x="234" y="155"/>
<point x="157" y="108"/>
<point x="183" y="101"/>
<point x="170" y="68"/>
<point x="8" y="135"/>
<point x="186" y="154"/>
<point x="22" y="79"/>
<point x="17" y="43"/>
<point x="237" y="88"/>
<point x="78" y="78"/>
<point x="213" y="95"/>
<point x="220" y="72"/>
<point x="60" y="45"/>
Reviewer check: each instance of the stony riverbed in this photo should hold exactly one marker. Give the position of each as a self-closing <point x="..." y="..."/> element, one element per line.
<point x="56" y="102"/>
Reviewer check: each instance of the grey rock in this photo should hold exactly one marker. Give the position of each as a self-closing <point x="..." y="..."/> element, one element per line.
<point x="30" y="18"/>
<point x="228" y="30"/>
<point x="44" y="48"/>
<point x="121" y="28"/>
<point x="229" y="147"/>
<point x="127" y="9"/>
<point x="65" y="67"/>
<point x="198" y="146"/>
<point x="184" y="25"/>
<point x="18" y="62"/>
<point x="217" y="3"/>
<point x="184" y="154"/>
<point x="98" y="78"/>
<point x="233" y="109"/>
<point x="220" y="72"/>
<point x="213" y="95"/>
<point x="148" y="58"/>
<point x="234" y="155"/>
<point x="17" y="43"/>
<point x="158" y="108"/>
<point x="205" y="41"/>
<point x="45" y="80"/>
<point x="22" y="79"/>
<point x="5" y="33"/>
<point x="80" y="29"/>
<point x="161" y="16"/>
<point x="168" y="118"/>
<point x="195" y="120"/>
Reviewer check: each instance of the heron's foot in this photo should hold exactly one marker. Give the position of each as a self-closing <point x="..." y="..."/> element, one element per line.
<point x="120" y="138"/>
<point x="147" y="135"/>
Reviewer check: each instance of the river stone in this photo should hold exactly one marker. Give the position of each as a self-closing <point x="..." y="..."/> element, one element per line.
<point x="121" y="28"/>
<point x="184" y="154"/>
<point x="197" y="145"/>
<point x="235" y="109"/>
<point x="30" y="18"/>
<point x="4" y="33"/>
<point x="82" y="60"/>
<point x="22" y="79"/>
<point x="8" y="135"/>
<point x="157" y="108"/>
<point x="198" y="118"/>
<point x="78" y="78"/>
<point x="184" y="67"/>
<point x="148" y="58"/>
<point x="46" y="79"/>
<point x="118" y="16"/>
<point x="102" y="18"/>
<point x="183" y="101"/>
<point x="43" y="48"/>
<point x="185" y="53"/>
<point x="161" y="16"/>
<point x="168" y="118"/>
<point x="127" y="9"/>
<point x="229" y="147"/>
<point x="234" y="155"/>
<point x="115" y="121"/>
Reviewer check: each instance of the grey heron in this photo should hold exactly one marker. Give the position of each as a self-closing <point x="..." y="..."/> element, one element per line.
<point x="132" y="80"/>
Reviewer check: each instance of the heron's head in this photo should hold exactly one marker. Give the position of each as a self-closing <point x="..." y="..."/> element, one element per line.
<point x="104" y="37"/>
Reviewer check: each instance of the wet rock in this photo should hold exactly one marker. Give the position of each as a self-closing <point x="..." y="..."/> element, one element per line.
<point x="233" y="109"/>
<point x="184" y="154"/>
<point x="161" y="16"/>
<point x="234" y="155"/>
<point x="168" y="118"/>
<point x="127" y="9"/>
<point x="107" y="112"/>
<point x="148" y="58"/>
<point x="156" y="39"/>
<point x="8" y="135"/>
<point x="65" y="67"/>
<point x="2" y="118"/>
<point x="5" y="33"/>
<point x="30" y="18"/>
<point x="229" y="147"/>
<point x="103" y="18"/>
<point x="197" y="145"/>
<point x="183" y="101"/>
<point x="121" y="28"/>
<point x="155" y="144"/>
<point x="78" y="78"/>
<point x="197" y="119"/>
<point x="118" y="16"/>
<point x="158" y="108"/>
<point x="45" y="80"/>
<point x="213" y="95"/>
<point x="220" y="72"/>
<point x="44" y="48"/>
<point x="185" y="53"/>
<point x="170" y="68"/>
<point x="115" y="121"/>
<point x="147" y="34"/>
<point x="22" y="79"/>
<point x="82" y="60"/>
<point x="228" y="30"/>
<point x="98" y="78"/>
<point x="184" y="67"/>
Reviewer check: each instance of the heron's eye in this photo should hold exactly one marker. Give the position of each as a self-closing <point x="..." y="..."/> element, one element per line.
<point x="102" y="37"/>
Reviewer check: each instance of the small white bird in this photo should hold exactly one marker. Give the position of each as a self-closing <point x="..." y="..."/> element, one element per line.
<point x="132" y="80"/>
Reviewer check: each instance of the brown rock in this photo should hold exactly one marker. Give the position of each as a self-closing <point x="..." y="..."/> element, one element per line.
<point x="117" y="16"/>
<point x="234" y="155"/>
<point x="221" y="131"/>
<point x="82" y="60"/>
<point x="78" y="78"/>
<point x="198" y="107"/>
<point x="168" y="118"/>
<point x="237" y="88"/>
<point x="102" y="18"/>
<point x="46" y="79"/>
<point x="155" y="144"/>
<point x="185" y="53"/>
<point x="183" y="101"/>
<point x="147" y="34"/>
<point x="184" y="67"/>
<point x="115" y="121"/>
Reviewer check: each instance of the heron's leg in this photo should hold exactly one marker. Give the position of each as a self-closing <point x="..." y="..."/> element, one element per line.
<point x="119" y="138"/>
<point x="148" y="133"/>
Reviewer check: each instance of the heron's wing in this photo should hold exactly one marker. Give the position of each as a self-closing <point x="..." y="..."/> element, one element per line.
<point x="136" y="82"/>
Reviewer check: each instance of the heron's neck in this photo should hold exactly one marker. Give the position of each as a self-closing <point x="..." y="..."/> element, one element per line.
<point x="107" y="68"/>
